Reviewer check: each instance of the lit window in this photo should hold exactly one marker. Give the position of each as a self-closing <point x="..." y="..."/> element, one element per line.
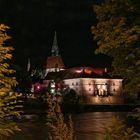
<point x="98" y="86"/>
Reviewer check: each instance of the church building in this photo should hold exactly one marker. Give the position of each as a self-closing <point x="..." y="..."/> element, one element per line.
<point x="95" y="84"/>
<point x="54" y="62"/>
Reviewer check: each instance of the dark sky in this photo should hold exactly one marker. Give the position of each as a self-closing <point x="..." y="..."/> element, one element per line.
<point x="33" y="23"/>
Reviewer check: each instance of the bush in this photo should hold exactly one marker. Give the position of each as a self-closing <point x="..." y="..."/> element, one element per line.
<point x="118" y="131"/>
<point x="71" y="97"/>
<point x="57" y="128"/>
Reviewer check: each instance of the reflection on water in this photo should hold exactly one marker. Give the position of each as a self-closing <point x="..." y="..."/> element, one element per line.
<point x="103" y="100"/>
<point x="91" y="126"/>
<point x="88" y="126"/>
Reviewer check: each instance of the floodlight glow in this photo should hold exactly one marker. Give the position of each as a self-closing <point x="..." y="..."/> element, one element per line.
<point x="38" y="87"/>
<point x="78" y="71"/>
<point x="52" y="90"/>
<point x="52" y="85"/>
<point x="104" y="87"/>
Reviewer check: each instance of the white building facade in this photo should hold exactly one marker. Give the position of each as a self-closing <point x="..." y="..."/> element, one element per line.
<point x="97" y="86"/>
<point x="96" y="90"/>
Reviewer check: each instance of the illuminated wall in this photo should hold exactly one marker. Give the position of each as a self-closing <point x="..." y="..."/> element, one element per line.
<point x="88" y="85"/>
<point x="74" y="84"/>
<point x="98" y="91"/>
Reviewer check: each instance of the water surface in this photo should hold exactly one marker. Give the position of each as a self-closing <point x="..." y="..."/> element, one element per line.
<point x="91" y="126"/>
<point x="87" y="126"/>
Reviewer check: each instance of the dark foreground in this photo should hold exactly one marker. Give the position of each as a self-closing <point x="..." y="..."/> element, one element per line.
<point x="89" y="121"/>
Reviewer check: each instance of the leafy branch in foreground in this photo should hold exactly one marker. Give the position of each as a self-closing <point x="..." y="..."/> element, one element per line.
<point x="8" y="99"/>
<point x="117" y="34"/>
<point x="57" y="128"/>
<point x="118" y="131"/>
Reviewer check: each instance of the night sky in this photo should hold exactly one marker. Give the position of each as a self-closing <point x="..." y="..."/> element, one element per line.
<point x="33" y="23"/>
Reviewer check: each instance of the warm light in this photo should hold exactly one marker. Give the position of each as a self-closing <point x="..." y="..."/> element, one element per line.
<point x="78" y="71"/>
<point x="88" y="71"/>
<point x="104" y="87"/>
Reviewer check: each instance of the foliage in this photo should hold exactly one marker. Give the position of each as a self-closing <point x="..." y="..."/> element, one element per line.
<point x="118" y="131"/>
<point x="7" y="82"/>
<point x="57" y="128"/>
<point x="117" y="34"/>
<point x="71" y="97"/>
<point x="135" y="114"/>
<point x="134" y="117"/>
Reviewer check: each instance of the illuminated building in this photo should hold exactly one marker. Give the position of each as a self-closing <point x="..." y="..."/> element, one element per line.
<point x="92" y="83"/>
<point x="97" y="87"/>
<point x="54" y="62"/>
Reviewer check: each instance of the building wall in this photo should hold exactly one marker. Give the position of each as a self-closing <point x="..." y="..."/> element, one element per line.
<point x="87" y="86"/>
<point x="100" y="91"/>
<point x="74" y="84"/>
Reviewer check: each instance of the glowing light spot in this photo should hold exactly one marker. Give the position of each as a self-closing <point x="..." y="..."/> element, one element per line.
<point x="88" y="71"/>
<point x="38" y="87"/>
<point x="53" y="91"/>
<point x="78" y="71"/>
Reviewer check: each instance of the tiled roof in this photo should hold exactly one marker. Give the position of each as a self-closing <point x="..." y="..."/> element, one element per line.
<point x="79" y="72"/>
<point x="55" y="62"/>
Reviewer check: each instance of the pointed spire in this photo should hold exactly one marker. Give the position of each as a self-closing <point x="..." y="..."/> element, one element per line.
<point x="28" y="64"/>
<point x="55" y="50"/>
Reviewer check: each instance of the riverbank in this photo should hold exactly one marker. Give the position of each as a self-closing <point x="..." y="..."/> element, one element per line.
<point x="101" y="108"/>
<point x="32" y="106"/>
<point x="80" y="108"/>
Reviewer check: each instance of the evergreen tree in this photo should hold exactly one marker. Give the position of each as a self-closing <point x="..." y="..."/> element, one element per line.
<point x="57" y="128"/>
<point x="7" y="100"/>
<point x="117" y="34"/>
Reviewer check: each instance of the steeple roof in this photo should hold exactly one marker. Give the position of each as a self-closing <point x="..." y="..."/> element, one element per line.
<point x="55" y="61"/>
<point x="55" y="50"/>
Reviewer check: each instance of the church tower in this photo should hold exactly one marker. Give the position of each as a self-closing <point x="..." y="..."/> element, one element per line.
<point x="55" y="50"/>
<point x="54" y="62"/>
